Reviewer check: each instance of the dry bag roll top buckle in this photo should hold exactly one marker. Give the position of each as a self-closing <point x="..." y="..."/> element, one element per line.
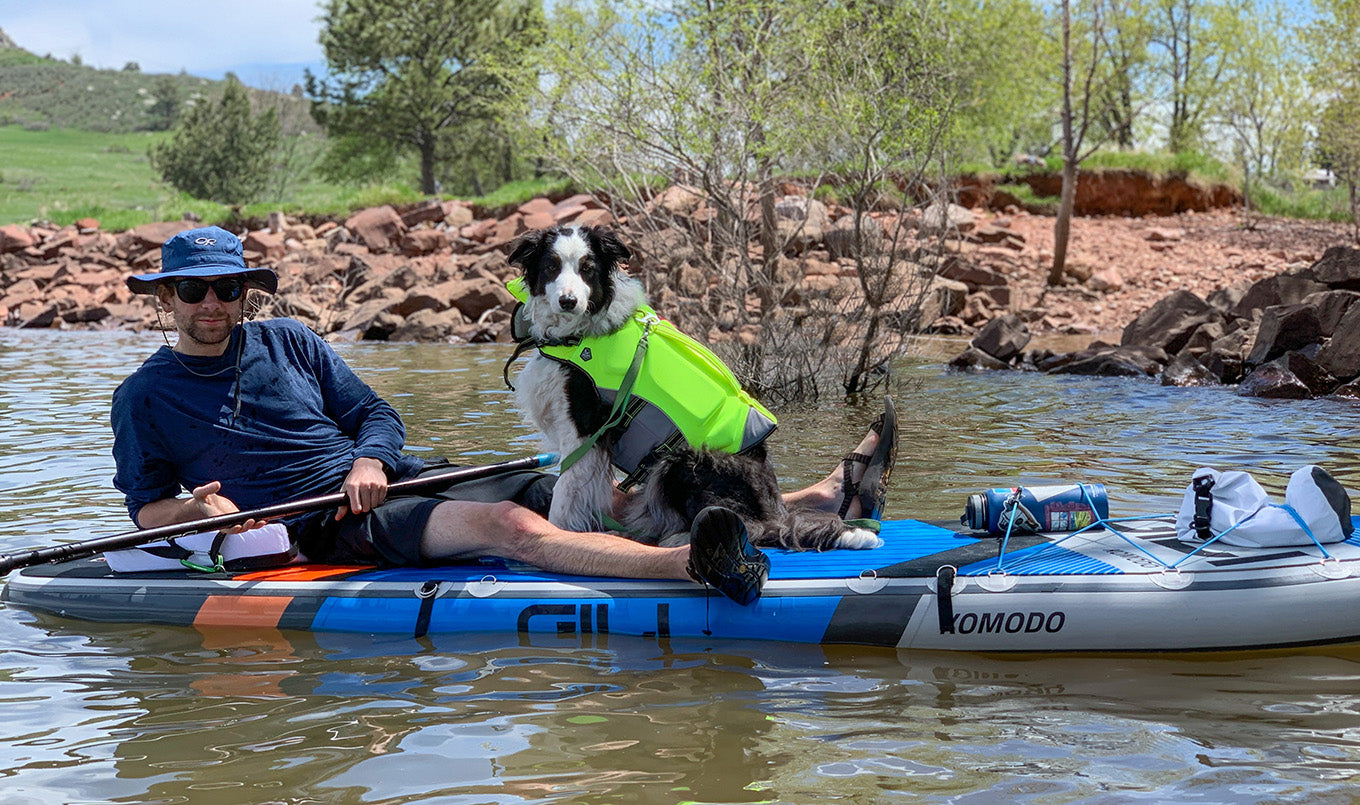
<point x="1204" y="506"/>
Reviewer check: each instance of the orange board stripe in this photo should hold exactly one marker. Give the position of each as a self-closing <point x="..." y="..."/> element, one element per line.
<point x="300" y="573"/>
<point x="242" y="610"/>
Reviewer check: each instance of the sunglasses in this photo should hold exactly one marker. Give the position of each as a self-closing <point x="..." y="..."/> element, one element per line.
<point x="192" y="291"/>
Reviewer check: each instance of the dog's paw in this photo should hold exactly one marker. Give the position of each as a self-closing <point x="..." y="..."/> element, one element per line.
<point x="858" y="539"/>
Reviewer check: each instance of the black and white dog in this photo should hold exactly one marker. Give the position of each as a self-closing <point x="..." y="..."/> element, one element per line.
<point x="577" y="288"/>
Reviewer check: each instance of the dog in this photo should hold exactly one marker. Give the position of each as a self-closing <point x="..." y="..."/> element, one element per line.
<point x="576" y="288"/>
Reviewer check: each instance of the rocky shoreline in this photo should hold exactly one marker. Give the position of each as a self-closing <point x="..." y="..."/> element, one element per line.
<point x="1294" y="335"/>
<point x="1266" y="306"/>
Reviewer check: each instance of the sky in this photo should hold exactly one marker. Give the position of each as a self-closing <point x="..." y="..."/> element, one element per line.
<point x="267" y="43"/>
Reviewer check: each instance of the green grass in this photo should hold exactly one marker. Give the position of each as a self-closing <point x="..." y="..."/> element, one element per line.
<point x="514" y="194"/>
<point x="1330" y="204"/>
<point x="62" y="175"/>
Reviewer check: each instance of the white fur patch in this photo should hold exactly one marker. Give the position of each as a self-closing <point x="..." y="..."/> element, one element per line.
<point x="858" y="539"/>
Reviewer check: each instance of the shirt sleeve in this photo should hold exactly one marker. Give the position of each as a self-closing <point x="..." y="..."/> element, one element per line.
<point x="142" y="473"/>
<point x="374" y="425"/>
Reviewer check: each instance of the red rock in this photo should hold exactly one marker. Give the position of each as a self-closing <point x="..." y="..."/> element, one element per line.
<point x="268" y="245"/>
<point x="378" y="228"/>
<point x="539" y="220"/>
<point x="594" y="218"/>
<point x="424" y="241"/>
<point x="536" y="205"/>
<point x="15" y="238"/>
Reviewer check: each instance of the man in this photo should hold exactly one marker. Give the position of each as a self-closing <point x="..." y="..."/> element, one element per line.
<point x="251" y="414"/>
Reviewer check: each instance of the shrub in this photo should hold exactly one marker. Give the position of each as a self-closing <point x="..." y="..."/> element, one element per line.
<point x="220" y="151"/>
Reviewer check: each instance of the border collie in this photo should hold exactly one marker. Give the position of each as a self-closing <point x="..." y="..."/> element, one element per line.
<point x="577" y="288"/>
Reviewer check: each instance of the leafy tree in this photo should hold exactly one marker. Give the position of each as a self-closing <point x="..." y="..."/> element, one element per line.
<point x="413" y="73"/>
<point x="1339" y="146"/>
<point x="1266" y="103"/>
<point x="1196" y="42"/>
<point x="724" y="100"/>
<point x="220" y="151"/>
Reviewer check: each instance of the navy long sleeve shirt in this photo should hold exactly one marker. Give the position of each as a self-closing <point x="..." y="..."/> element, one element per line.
<point x="277" y="416"/>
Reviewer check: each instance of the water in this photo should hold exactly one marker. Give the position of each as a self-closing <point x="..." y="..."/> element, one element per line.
<point x="114" y="713"/>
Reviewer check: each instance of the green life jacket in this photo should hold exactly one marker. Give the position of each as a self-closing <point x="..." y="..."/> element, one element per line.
<point x="681" y="394"/>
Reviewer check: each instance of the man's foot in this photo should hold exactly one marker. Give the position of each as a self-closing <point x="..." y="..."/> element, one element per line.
<point x="876" y="455"/>
<point x="722" y="557"/>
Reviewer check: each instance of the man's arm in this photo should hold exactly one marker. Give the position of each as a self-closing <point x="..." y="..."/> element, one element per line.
<point x="203" y="503"/>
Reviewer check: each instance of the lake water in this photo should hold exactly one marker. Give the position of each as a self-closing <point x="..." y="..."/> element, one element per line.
<point x="144" y="714"/>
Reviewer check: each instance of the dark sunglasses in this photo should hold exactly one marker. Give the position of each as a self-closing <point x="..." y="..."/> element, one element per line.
<point x="192" y="291"/>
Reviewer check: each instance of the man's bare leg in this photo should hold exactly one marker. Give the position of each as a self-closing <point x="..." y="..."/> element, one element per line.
<point x="466" y="530"/>
<point x="827" y="494"/>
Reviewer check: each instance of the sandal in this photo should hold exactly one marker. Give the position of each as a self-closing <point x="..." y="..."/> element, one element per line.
<point x="872" y="489"/>
<point x="721" y="556"/>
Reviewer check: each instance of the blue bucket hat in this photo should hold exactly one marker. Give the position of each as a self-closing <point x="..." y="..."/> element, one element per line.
<point x="210" y="251"/>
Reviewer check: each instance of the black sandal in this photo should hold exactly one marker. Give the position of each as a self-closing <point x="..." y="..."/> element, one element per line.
<point x="872" y="489"/>
<point x="721" y="556"/>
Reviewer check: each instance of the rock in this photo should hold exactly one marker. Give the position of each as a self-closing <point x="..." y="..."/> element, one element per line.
<point x="1003" y="337"/>
<point x="841" y="241"/>
<point x="151" y="236"/>
<point x="428" y="325"/>
<point x="971" y="274"/>
<point x="1350" y="390"/>
<point x="1106" y="280"/>
<point x="973" y="359"/>
<point x="424" y="241"/>
<point x="1339" y="267"/>
<point x="1281" y="289"/>
<point x="1186" y="370"/>
<point x="430" y="211"/>
<point x="1331" y="307"/>
<point x="1121" y="361"/>
<point x="1273" y="381"/>
<point x="1164" y="235"/>
<point x="377" y="228"/>
<point x="265" y="243"/>
<point x="457" y="215"/>
<point x="946" y="217"/>
<point x="1284" y="328"/>
<point x="1341" y="355"/>
<point x="1169" y="323"/>
<point x="1225" y="300"/>
<point x="14" y="238"/>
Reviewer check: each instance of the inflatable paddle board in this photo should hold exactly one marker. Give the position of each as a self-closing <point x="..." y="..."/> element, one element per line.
<point x="929" y="586"/>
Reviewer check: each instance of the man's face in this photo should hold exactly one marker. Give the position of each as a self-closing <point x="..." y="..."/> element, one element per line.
<point x="205" y="325"/>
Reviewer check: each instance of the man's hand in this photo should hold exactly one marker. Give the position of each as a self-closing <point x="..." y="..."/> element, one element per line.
<point x="365" y="486"/>
<point x="211" y="504"/>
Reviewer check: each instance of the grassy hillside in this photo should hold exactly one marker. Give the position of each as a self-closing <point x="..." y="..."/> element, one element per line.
<point x="38" y="93"/>
<point x="61" y="175"/>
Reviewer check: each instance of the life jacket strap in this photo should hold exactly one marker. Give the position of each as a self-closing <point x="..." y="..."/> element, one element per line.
<point x="621" y="398"/>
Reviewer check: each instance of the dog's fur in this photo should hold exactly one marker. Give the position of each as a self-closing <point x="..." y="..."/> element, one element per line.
<point x="577" y="288"/>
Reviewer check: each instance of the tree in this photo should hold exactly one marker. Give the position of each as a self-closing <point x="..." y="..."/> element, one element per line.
<point x="1195" y="38"/>
<point x="692" y="118"/>
<point x="1339" y="146"/>
<point x="220" y="151"/>
<point x="1266" y="103"/>
<point x="412" y="72"/>
<point x="164" y="111"/>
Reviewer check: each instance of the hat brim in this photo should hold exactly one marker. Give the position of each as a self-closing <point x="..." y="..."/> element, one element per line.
<point x="262" y="279"/>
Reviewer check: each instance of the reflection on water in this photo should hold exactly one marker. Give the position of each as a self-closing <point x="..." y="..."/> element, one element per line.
<point x="142" y="714"/>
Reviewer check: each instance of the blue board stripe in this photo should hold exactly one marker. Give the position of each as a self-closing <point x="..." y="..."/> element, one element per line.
<point x="1043" y="560"/>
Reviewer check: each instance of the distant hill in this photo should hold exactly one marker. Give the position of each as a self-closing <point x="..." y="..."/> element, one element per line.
<point x="40" y="92"/>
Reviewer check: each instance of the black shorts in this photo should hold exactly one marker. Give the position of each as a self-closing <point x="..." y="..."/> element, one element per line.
<point x="390" y="534"/>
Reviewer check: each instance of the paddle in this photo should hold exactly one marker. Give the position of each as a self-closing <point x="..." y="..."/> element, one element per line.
<point x="132" y="539"/>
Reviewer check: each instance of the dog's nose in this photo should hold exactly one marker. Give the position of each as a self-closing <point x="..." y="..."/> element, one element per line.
<point x="566" y="302"/>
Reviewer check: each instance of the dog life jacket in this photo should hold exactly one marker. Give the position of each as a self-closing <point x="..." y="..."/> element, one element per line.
<point x="681" y="391"/>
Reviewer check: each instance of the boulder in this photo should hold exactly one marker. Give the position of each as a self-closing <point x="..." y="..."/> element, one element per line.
<point x="1003" y="337"/>
<point x="1284" y="328"/>
<point x="973" y="359"/>
<point x="430" y="211"/>
<point x="14" y="238"/>
<point x="151" y="236"/>
<point x="1170" y="322"/>
<point x="1341" y="355"/>
<point x="1273" y="381"/>
<point x="841" y="240"/>
<point x="377" y="228"/>
<point x="428" y="325"/>
<point x="1331" y="307"/>
<point x="1186" y="370"/>
<point x="948" y="218"/>
<point x="1108" y="361"/>
<point x="1339" y="267"/>
<point x="1281" y="289"/>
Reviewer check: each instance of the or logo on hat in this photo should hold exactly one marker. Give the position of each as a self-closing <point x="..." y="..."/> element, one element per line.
<point x="206" y="241"/>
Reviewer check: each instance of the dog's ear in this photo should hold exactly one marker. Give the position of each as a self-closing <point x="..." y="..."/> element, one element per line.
<point x="526" y="246"/>
<point x="606" y="243"/>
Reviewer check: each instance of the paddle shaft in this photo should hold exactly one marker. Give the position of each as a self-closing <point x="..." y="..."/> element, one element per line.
<point x="132" y="539"/>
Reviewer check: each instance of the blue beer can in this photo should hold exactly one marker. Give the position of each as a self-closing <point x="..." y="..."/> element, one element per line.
<point x="1065" y="507"/>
